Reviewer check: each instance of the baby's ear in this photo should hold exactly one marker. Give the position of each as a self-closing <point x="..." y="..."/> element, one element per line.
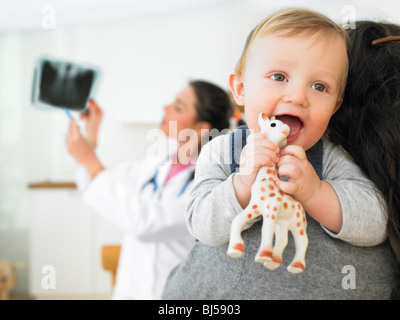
<point x="337" y="106"/>
<point x="237" y="88"/>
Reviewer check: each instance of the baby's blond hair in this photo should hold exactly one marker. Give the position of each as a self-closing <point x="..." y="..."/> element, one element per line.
<point x="292" y="22"/>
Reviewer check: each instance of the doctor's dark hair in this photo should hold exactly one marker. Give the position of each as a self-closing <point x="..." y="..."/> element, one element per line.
<point x="367" y="125"/>
<point x="213" y="104"/>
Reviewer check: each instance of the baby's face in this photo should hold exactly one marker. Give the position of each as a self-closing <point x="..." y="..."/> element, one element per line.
<point x="297" y="79"/>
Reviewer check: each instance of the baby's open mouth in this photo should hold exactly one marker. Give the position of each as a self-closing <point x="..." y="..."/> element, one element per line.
<point x="295" y="124"/>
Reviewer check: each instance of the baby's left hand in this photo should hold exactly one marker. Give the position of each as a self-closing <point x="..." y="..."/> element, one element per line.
<point x="303" y="181"/>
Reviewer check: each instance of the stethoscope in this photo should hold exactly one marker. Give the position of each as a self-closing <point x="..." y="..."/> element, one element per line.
<point x="153" y="180"/>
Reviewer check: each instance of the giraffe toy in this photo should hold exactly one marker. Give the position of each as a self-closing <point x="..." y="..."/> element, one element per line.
<point x="280" y="212"/>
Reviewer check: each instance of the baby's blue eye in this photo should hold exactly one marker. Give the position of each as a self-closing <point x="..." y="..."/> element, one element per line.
<point x="278" y="77"/>
<point x="319" y="87"/>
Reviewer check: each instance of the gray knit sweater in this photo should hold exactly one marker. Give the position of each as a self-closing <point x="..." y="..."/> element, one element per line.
<point x="356" y="263"/>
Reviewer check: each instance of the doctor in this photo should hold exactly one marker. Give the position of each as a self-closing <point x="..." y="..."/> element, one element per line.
<point x="147" y="199"/>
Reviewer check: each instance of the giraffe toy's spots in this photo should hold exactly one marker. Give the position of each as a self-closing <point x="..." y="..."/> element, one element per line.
<point x="283" y="210"/>
<point x="296" y="267"/>
<point x="266" y="253"/>
<point x="237" y="250"/>
<point x="285" y="205"/>
<point x="277" y="259"/>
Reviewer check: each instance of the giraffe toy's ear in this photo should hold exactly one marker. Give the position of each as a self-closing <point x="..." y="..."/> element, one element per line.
<point x="262" y="122"/>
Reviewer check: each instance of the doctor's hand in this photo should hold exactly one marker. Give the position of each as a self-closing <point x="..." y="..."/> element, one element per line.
<point x="82" y="151"/>
<point x="92" y="119"/>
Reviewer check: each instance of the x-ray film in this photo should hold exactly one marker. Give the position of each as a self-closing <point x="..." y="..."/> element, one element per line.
<point x="63" y="84"/>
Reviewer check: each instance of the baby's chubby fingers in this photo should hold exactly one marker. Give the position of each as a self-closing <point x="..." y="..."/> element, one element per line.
<point x="294" y="151"/>
<point x="259" y="139"/>
<point x="292" y="170"/>
<point x="253" y="163"/>
<point x="258" y="152"/>
<point x="291" y="161"/>
<point x="288" y="187"/>
<point x="303" y="180"/>
<point x="257" y="144"/>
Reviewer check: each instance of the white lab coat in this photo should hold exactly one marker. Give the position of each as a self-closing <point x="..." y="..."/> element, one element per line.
<point x="156" y="237"/>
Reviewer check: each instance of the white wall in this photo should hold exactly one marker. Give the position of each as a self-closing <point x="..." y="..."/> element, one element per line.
<point x="145" y="62"/>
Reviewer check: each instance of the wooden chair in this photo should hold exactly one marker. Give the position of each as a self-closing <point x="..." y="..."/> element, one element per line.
<point x="110" y="257"/>
<point x="8" y="279"/>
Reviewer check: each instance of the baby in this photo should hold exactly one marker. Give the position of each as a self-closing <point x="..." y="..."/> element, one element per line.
<point x="293" y="67"/>
<point x="301" y="82"/>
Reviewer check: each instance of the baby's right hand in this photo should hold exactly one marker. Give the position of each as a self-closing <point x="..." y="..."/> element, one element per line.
<point x="258" y="152"/>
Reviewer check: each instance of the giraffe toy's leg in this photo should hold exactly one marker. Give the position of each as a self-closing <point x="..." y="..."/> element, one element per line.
<point x="265" y="252"/>
<point x="301" y="241"/>
<point x="281" y="240"/>
<point x="236" y="243"/>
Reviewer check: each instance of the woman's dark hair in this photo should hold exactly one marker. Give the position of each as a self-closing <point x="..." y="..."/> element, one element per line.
<point x="367" y="125"/>
<point x="213" y="104"/>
